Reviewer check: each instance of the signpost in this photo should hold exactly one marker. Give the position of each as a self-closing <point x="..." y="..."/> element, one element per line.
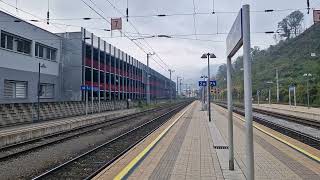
<point x="240" y="35"/>
<point x="87" y="88"/>
<point x="316" y="16"/>
<point x="204" y="83"/>
<point x="292" y="88"/>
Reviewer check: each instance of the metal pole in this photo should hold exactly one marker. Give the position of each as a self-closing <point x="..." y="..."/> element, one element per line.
<point x="248" y="92"/>
<point x="230" y="121"/>
<point x="38" y="108"/>
<point x="99" y="59"/>
<point x="294" y="96"/>
<point x="269" y="96"/>
<point x="208" y="84"/>
<point x="148" y="81"/>
<point x="308" y="95"/>
<point x="277" y="77"/>
<point x="258" y="94"/>
<point x="180" y="87"/>
<point x="289" y="96"/>
<point x="170" y="88"/>
<point x="92" y="73"/>
<point x="86" y="93"/>
<point x="204" y="92"/>
<point x="177" y="86"/>
<point x="105" y="71"/>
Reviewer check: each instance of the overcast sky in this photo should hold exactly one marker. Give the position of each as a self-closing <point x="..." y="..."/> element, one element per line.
<point x="180" y="52"/>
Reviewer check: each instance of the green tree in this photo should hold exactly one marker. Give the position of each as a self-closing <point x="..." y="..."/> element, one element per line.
<point x="290" y="26"/>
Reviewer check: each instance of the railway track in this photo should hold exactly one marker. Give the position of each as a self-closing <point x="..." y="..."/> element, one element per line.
<point x="298" y="135"/>
<point x="88" y="164"/>
<point x="304" y="121"/>
<point x="15" y="150"/>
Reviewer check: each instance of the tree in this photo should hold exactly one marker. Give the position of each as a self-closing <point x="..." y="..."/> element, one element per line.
<point x="294" y="21"/>
<point x="284" y="29"/>
<point x="291" y="25"/>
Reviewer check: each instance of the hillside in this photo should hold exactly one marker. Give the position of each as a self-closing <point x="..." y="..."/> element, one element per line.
<point x="292" y="58"/>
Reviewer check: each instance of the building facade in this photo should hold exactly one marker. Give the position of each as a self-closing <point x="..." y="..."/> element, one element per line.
<point x="74" y="66"/>
<point x="23" y="46"/>
<point x="108" y="72"/>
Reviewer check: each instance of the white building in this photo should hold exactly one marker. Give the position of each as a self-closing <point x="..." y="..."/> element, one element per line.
<point x="70" y="62"/>
<point x="23" y="46"/>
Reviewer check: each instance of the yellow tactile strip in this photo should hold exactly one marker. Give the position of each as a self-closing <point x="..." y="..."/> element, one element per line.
<point x="114" y="169"/>
<point x="279" y="143"/>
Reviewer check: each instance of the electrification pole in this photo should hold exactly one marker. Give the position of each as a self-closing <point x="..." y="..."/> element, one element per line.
<point x="170" y="88"/>
<point x="277" y="79"/>
<point x="148" y="78"/>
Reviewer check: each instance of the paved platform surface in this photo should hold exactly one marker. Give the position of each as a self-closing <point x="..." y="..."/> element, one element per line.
<point x="300" y="111"/>
<point x="188" y="151"/>
<point x="17" y="133"/>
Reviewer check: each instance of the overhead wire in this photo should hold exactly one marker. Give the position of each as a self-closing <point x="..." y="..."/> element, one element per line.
<point x="110" y="24"/>
<point x="194" y="19"/>
<point x="16" y="7"/>
<point x="157" y="55"/>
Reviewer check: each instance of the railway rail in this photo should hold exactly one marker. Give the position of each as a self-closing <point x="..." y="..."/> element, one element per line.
<point x="88" y="164"/>
<point x="18" y="149"/>
<point x="298" y="135"/>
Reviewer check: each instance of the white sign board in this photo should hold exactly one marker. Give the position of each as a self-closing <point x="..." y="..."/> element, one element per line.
<point x="316" y="16"/>
<point x="291" y="88"/>
<point x="116" y="23"/>
<point x="234" y="38"/>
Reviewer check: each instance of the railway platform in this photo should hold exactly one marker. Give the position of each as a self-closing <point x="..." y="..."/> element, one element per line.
<point x="299" y="111"/>
<point x="190" y="147"/>
<point x="24" y="132"/>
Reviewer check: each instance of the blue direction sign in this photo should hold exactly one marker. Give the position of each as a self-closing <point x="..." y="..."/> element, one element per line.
<point x="202" y="83"/>
<point x="88" y="88"/>
<point x="213" y="83"/>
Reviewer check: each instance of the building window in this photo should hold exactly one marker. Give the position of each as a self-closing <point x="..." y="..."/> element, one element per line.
<point x="46" y="90"/>
<point x="15" y="89"/>
<point x="46" y="52"/>
<point x="15" y="43"/>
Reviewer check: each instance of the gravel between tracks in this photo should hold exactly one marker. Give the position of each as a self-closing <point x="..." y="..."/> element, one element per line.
<point x="34" y="163"/>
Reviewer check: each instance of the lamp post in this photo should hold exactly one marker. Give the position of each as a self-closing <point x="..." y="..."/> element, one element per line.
<point x="170" y="87"/>
<point x="180" y="86"/>
<point x="203" y="92"/>
<point x="39" y="89"/>
<point x="177" y="86"/>
<point x="308" y="75"/>
<point x="208" y="56"/>
<point x="148" y="78"/>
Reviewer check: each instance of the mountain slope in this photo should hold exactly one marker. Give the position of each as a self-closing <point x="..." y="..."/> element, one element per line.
<point x="292" y="58"/>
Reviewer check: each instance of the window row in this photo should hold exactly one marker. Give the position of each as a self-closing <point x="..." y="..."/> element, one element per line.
<point x="19" y="90"/>
<point x="46" y="52"/>
<point x="15" y="43"/>
<point x="22" y="45"/>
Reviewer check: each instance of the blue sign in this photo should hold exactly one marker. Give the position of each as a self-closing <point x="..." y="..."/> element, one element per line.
<point x="83" y="88"/>
<point x="213" y="83"/>
<point x="202" y="83"/>
<point x="291" y="88"/>
<point x="88" y="88"/>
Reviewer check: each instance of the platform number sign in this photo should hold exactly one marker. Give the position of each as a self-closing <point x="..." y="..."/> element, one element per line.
<point x="316" y="16"/>
<point x="116" y="24"/>
<point x="88" y="88"/>
<point x="213" y="83"/>
<point x="204" y="83"/>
